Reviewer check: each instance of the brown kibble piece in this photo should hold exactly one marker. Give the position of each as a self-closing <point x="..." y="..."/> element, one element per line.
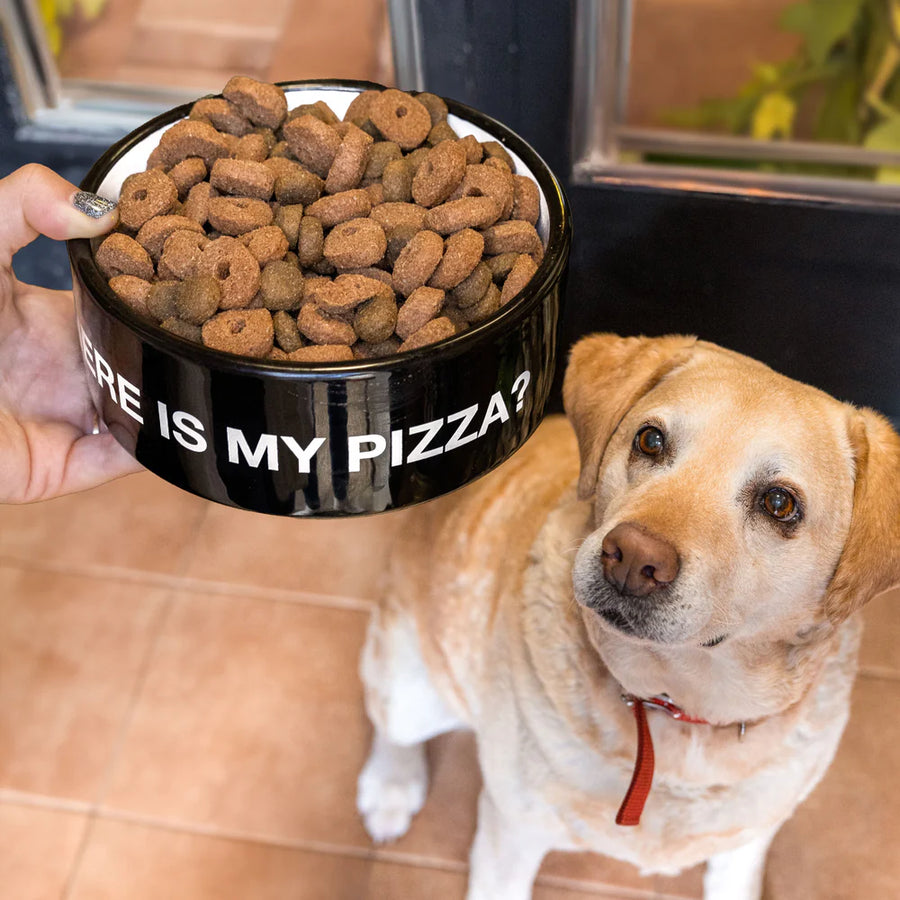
<point x="515" y="236"/>
<point x="350" y="161"/>
<point x="320" y="109"/>
<point x="242" y="177"/>
<point x="520" y="274"/>
<point x="266" y="244"/>
<point x="222" y="115"/>
<point x="462" y="252"/>
<point x="417" y="262"/>
<point x="488" y="181"/>
<point x="236" y="269"/>
<point x="360" y="106"/>
<point x="355" y="243"/>
<point x="281" y="285"/>
<point x="197" y="299"/>
<point x="181" y="253"/>
<point x="486" y="306"/>
<point x="310" y="241"/>
<point x="392" y="215"/>
<point x="380" y="154"/>
<point x="288" y="218"/>
<point x="238" y="215"/>
<point x="398" y="238"/>
<point x="396" y="183"/>
<point x="123" y="255"/>
<point x="422" y="306"/>
<point x="155" y="232"/>
<point x="287" y="335"/>
<point x="347" y="292"/>
<point x="366" y="350"/>
<point x="400" y="118"/>
<point x="527" y="203"/>
<point x="496" y="150"/>
<point x="247" y="332"/>
<point x="181" y="329"/>
<point x="252" y="147"/>
<point x="193" y="138"/>
<point x="440" y="174"/>
<point x="469" y="291"/>
<point x="437" y="108"/>
<point x="436" y="330"/>
<point x="335" y="208"/>
<point x="376" y="319"/>
<point x="260" y="102"/>
<point x="161" y="299"/>
<point x="440" y="133"/>
<point x="474" y="151"/>
<point x="132" y="291"/>
<point x="313" y="142"/>
<point x="196" y="207"/>
<point x="321" y="328"/>
<point x="145" y="195"/>
<point x="500" y="265"/>
<point x="319" y="353"/>
<point x="467" y="212"/>
<point x="186" y="174"/>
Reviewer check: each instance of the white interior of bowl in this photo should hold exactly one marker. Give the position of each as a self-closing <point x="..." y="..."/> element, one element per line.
<point x="135" y="159"/>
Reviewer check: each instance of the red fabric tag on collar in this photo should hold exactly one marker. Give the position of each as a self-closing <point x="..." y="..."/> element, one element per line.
<point x="642" y="777"/>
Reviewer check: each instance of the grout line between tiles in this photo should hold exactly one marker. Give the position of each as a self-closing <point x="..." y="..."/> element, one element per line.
<point x="191" y="585"/>
<point x="12" y="797"/>
<point x="118" y="742"/>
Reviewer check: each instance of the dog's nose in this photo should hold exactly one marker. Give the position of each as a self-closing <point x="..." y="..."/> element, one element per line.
<point x="636" y="562"/>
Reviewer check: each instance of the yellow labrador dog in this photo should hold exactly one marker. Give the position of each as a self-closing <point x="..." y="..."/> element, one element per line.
<point x="690" y="597"/>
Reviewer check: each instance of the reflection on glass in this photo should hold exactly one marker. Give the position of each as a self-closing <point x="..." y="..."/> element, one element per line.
<point x="795" y="74"/>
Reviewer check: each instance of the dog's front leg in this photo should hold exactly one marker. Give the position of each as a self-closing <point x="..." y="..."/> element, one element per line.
<point x="505" y="857"/>
<point x="737" y="874"/>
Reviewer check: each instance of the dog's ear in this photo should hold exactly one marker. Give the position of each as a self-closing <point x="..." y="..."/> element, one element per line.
<point x="606" y="375"/>
<point x="870" y="560"/>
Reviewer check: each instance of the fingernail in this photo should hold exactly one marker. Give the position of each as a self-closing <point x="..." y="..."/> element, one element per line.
<point x="93" y="205"/>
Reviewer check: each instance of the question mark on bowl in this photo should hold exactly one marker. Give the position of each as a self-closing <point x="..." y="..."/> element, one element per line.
<point x="519" y="385"/>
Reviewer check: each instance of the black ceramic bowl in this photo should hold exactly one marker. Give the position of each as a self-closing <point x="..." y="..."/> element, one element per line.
<point x="332" y="438"/>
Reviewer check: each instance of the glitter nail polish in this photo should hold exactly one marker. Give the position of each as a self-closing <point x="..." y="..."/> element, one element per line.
<point x="92" y="205"/>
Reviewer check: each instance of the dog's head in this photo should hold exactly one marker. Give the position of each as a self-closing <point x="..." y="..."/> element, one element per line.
<point x="728" y="500"/>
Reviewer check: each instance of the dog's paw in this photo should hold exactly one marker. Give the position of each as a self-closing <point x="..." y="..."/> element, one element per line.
<point x="391" y="790"/>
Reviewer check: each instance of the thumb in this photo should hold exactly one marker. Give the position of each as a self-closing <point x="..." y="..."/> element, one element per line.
<point x="35" y="200"/>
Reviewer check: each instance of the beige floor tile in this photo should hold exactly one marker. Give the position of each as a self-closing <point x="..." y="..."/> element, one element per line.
<point x="139" y="522"/>
<point x="37" y="849"/>
<point x="250" y="719"/>
<point x="136" y="862"/>
<point x="881" y="634"/>
<point x="841" y="843"/>
<point x="70" y="651"/>
<point x="133" y="862"/>
<point x="343" y="557"/>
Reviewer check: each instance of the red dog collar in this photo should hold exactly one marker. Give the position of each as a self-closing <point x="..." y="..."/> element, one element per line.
<point x="642" y="778"/>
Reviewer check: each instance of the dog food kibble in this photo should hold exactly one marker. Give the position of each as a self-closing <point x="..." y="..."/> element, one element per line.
<point x="294" y="235"/>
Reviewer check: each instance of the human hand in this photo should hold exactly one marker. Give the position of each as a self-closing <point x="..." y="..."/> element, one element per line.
<point x="47" y="444"/>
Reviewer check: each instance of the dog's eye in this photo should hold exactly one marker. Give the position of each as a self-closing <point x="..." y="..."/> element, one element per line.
<point x="650" y="441"/>
<point x="780" y="504"/>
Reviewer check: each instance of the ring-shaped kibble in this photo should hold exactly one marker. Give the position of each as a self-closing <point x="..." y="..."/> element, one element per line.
<point x="246" y="332"/>
<point x="156" y="231"/>
<point x="400" y="118"/>
<point x="235" y="268"/>
<point x="145" y="195"/>
<point x="181" y="254"/>
<point x="440" y="174"/>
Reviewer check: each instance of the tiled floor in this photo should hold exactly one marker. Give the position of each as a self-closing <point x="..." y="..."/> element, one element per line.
<point x="180" y="717"/>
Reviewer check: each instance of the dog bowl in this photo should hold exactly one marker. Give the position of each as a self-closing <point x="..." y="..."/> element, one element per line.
<point x="328" y="439"/>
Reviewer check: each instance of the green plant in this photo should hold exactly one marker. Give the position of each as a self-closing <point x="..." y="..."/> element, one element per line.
<point x="841" y="86"/>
